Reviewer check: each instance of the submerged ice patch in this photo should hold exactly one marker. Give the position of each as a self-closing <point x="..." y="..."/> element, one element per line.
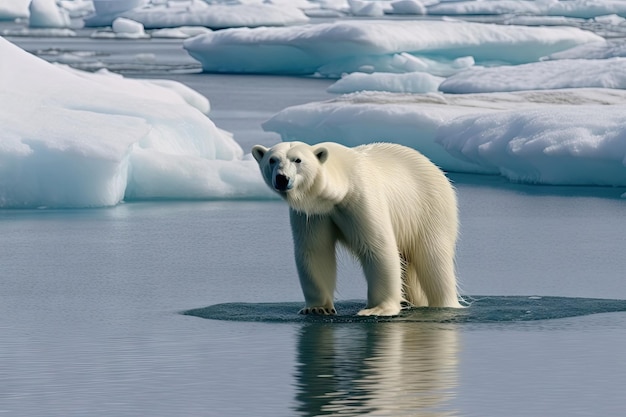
<point x="482" y="309"/>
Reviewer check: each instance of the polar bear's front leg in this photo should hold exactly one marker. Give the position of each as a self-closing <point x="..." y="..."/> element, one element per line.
<point x="384" y="285"/>
<point x="314" y="239"/>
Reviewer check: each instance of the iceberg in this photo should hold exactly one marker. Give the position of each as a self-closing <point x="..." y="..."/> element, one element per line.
<point x="532" y="136"/>
<point x="77" y="139"/>
<point x="331" y="49"/>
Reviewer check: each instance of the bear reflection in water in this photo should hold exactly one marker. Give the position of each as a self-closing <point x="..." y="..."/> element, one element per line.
<point x="390" y="369"/>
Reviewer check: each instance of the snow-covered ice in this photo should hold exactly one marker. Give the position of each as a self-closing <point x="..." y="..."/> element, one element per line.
<point x="348" y="46"/>
<point x="412" y="82"/>
<point x="199" y="13"/>
<point x="123" y="28"/>
<point x="546" y="75"/>
<point x="534" y="98"/>
<point x="77" y="139"/>
<point x="535" y="136"/>
<point x="182" y="32"/>
<point x="594" y="50"/>
<point x="14" y="9"/>
<point x="569" y="8"/>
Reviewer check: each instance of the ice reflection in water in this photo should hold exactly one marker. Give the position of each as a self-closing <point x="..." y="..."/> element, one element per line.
<point x="381" y="369"/>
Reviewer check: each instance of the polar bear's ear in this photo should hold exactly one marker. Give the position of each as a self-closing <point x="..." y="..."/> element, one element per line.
<point x="321" y="154"/>
<point x="258" y="151"/>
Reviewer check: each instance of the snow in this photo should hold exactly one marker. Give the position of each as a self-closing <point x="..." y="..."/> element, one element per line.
<point x="101" y="138"/>
<point x="535" y="136"/>
<point x="347" y="46"/>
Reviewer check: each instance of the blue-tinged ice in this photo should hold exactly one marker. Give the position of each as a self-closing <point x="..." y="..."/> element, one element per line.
<point x="347" y="46"/>
<point x="546" y="75"/>
<point x="534" y="136"/>
<point x="198" y="13"/>
<point x="568" y="8"/>
<point x="76" y="139"/>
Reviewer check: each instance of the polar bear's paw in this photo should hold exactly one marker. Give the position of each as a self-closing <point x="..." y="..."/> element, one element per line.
<point x="381" y="310"/>
<point x="319" y="311"/>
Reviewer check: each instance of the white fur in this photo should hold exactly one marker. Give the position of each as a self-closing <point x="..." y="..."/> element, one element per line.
<point x="392" y="207"/>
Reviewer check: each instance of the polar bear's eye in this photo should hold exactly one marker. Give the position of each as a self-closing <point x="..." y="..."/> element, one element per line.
<point x="273" y="161"/>
<point x="297" y="160"/>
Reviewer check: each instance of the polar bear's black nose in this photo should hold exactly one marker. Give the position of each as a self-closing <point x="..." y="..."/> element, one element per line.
<point x="281" y="182"/>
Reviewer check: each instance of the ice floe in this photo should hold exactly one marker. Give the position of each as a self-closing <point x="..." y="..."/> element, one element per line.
<point x="77" y="139"/>
<point x="349" y="46"/>
<point x="535" y="136"/>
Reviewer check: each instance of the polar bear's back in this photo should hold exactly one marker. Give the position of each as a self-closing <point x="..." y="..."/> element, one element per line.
<point x="402" y="169"/>
<point x="415" y="189"/>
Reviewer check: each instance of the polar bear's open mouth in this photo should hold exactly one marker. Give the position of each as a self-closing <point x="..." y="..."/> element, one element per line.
<point x="282" y="182"/>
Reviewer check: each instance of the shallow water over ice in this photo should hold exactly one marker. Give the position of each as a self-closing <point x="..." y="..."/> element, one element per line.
<point x="480" y="309"/>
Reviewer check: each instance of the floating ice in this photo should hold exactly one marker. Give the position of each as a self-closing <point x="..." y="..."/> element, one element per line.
<point x="100" y="138"/>
<point x="110" y="7"/>
<point x="594" y="50"/>
<point x="412" y="82"/>
<point x="366" y="8"/>
<point x="569" y="8"/>
<point x="46" y="14"/>
<point x="535" y="136"/>
<point x="44" y="32"/>
<point x="182" y="32"/>
<point x="569" y="73"/>
<point x="14" y="9"/>
<point x="123" y="28"/>
<point x="547" y="146"/>
<point x="348" y="46"/>
<point x="408" y="7"/>
<point x="198" y="13"/>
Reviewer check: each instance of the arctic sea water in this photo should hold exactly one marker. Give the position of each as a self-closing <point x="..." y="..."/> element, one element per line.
<point x="91" y="303"/>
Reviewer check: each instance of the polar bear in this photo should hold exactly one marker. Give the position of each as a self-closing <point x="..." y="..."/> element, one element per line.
<point x="388" y="204"/>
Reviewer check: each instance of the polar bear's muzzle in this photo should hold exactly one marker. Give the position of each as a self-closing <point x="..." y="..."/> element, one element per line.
<point x="282" y="182"/>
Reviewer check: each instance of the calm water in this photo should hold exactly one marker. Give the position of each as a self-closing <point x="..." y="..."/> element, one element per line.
<point x="90" y="323"/>
<point x="90" y="305"/>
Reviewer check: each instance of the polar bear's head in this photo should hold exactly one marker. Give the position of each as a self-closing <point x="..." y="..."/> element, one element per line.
<point x="290" y="167"/>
